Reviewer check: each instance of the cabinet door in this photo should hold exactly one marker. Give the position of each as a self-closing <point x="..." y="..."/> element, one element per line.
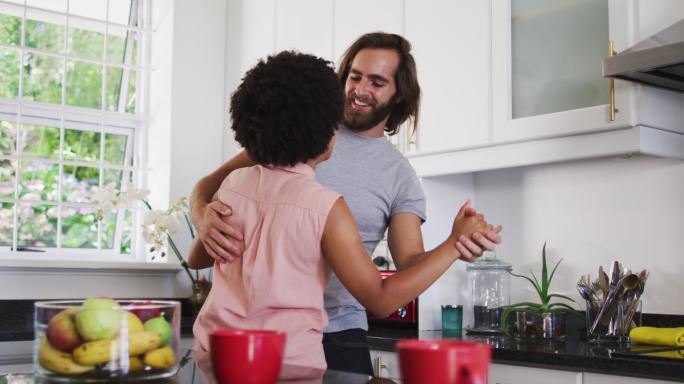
<point x="546" y="62"/>
<point x="510" y="374"/>
<point x="305" y="26"/>
<point x="386" y="364"/>
<point x="353" y="18"/>
<point x="451" y="45"/>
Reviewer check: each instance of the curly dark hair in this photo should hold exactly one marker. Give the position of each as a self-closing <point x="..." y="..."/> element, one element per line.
<point x="287" y="108"/>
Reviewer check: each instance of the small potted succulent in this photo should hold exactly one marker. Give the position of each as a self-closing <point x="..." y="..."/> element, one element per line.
<point x="544" y="319"/>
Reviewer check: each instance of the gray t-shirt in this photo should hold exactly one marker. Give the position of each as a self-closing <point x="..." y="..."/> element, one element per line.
<point x="377" y="182"/>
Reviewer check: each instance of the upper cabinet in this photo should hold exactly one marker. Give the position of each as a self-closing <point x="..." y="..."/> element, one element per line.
<point x="353" y="18"/>
<point x="504" y="82"/>
<point x="313" y="34"/>
<point x="451" y="45"/>
<point x="549" y="100"/>
<point x="546" y="68"/>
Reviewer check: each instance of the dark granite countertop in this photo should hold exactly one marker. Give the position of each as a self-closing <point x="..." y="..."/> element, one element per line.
<point x="573" y="353"/>
<point x="570" y="354"/>
<point x="190" y="372"/>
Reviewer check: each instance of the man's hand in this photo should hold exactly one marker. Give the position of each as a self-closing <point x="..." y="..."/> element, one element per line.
<point x="221" y="241"/>
<point x="473" y="246"/>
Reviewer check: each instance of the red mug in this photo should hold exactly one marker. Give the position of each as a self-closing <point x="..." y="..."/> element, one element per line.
<point x="443" y="361"/>
<point x="246" y="356"/>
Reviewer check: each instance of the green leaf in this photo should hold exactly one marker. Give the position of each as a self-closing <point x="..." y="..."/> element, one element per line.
<point x="554" y="271"/>
<point x="525" y="304"/>
<point x="536" y="286"/>
<point x="564" y="308"/>
<point x="544" y="277"/>
<point x="540" y="291"/>
<point x="562" y="297"/>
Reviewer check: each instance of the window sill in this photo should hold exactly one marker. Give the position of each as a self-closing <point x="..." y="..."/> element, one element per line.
<point x="92" y="267"/>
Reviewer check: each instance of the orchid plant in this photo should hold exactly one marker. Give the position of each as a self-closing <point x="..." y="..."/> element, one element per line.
<point x="158" y="225"/>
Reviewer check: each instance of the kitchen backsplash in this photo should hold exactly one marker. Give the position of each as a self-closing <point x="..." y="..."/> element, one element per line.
<point x="589" y="212"/>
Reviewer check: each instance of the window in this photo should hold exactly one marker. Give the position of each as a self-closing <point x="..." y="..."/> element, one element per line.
<point x="73" y="77"/>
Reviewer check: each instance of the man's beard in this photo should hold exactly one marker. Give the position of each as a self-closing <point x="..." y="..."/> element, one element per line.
<point x="362" y="121"/>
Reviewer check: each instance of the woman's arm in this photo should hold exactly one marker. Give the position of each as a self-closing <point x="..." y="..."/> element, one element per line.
<point x="344" y="251"/>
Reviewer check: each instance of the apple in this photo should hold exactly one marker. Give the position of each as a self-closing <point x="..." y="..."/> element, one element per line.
<point x="161" y="326"/>
<point x="61" y="331"/>
<point x="99" y="318"/>
<point x="146" y="311"/>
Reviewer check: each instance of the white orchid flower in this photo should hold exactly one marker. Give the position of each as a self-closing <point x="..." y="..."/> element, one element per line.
<point x="162" y="221"/>
<point x="106" y="197"/>
<point x="180" y="206"/>
<point x="154" y="237"/>
<point x="128" y="197"/>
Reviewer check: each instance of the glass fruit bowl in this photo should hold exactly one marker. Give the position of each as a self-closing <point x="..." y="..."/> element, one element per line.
<point x="104" y="340"/>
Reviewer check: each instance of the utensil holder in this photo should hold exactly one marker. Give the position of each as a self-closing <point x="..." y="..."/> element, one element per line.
<point x="626" y="316"/>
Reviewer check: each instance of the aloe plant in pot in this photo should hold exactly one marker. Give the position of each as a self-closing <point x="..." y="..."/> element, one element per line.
<point x="544" y="319"/>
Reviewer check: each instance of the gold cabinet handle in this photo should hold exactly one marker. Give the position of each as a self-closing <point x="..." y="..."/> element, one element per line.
<point x="613" y="109"/>
<point x="379" y="366"/>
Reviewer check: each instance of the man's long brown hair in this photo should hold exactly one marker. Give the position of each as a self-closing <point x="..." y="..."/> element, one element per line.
<point x="405" y="77"/>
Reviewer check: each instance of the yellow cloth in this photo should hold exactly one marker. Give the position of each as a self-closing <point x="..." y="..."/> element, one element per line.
<point x="671" y="337"/>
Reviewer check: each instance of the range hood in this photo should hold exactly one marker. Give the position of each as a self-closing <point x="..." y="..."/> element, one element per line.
<point x="657" y="61"/>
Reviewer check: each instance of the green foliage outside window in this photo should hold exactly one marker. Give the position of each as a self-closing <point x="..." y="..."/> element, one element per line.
<point x="42" y="81"/>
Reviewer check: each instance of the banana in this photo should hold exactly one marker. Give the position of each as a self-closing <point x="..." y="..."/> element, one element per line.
<point x="102" y="351"/>
<point x="161" y="358"/>
<point x="135" y="364"/>
<point x="59" y="362"/>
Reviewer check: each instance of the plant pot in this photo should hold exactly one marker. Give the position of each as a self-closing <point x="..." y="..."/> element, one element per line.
<point x="546" y="325"/>
<point x="200" y="291"/>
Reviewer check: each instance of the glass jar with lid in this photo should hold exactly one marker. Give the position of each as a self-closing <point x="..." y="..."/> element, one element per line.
<point x="489" y="288"/>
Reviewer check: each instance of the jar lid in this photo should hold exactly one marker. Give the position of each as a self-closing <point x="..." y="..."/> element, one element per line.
<point x="489" y="261"/>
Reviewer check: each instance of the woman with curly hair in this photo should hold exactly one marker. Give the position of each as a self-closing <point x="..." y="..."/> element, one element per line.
<point x="295" y="230"/>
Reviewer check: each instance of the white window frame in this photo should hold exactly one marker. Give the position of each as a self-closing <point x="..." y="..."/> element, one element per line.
<point x="20" y="111"/>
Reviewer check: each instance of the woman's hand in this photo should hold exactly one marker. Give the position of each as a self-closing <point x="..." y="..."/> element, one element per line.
<point x="473" y="234"/>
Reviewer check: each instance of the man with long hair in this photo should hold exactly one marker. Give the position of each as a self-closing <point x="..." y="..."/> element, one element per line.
<point x="381" y="91"/>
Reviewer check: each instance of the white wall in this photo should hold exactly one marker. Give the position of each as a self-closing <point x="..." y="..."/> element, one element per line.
<point x="198" y="104"/>
<point x="444" y="195"/>
<point x="589" y="213"/>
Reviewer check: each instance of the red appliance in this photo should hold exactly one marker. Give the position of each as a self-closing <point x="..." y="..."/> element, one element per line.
<point x="406" y="315"/>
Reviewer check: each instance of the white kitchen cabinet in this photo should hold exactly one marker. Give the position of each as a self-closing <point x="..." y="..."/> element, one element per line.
<point x="510" y="374"/>
<point x="549" y="102"/>
<point x="353" y="18"/>
<point x="546" y="68"/>
<point x="313" y="34"/>
<point x="385" y="364"/>
<point x="451" y="45"/>
<point x="596" y="378"/>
